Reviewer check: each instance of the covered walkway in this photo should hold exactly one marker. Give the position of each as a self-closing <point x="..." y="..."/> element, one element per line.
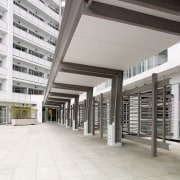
<point x="48" y="151"/>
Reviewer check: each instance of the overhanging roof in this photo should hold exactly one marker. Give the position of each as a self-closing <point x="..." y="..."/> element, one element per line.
<point x="101" y="37"/>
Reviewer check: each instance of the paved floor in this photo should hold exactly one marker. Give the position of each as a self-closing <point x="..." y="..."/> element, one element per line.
<point x="50" y="152"/>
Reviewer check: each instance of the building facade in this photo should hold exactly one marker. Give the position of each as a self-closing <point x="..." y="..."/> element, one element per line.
<point x="166" y="64"/>
<point x="28" y="33"/>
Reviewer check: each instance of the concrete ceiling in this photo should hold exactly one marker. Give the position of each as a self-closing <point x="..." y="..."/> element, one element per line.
<point x="104" y="43"/>
<point x="110" y="34"/>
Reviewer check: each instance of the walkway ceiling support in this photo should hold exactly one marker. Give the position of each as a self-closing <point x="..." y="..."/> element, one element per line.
<point x="167" y="6"/>
<point x="88" y="70"/>
<point x="70" y="87"/>
<point x="115" y="13"/>
<point x="58" y="99"/>
<point x="63" y="95"/>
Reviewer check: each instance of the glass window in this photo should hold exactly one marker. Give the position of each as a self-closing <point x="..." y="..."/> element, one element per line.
<point x="19" y="68"/>
<point x="35" y="91"/>
<point x="18" y="89"/>
<point x="21" y="48"/>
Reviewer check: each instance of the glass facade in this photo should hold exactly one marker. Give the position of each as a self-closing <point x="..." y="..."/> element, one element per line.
<point x="146" y="65"/>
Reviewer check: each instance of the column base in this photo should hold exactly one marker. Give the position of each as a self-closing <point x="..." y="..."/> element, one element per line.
<point x="86" y="129"/>
<point x="73" y="126"/>
<point x="111" y="136"/>
<point x="67" y="126"/>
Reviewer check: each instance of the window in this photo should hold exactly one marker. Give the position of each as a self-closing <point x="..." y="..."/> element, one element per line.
<point x="19" y="68"/>
<point x="36" y="73"/>
<point x="20" y="26"/>
<point x="19" y="5"/>
<point x="53" y="26"/>
<point x="34" y="53"/>
<point x="52" y="42"/>
<point x="36" y="35"/>
<point x="35" y="91"/>
<point x="21" y="48"/>
<point x="35" y="15"/>
<point x="0" y="86"/>
<point x="18" y="89"/>
<point x="0" y="63"/>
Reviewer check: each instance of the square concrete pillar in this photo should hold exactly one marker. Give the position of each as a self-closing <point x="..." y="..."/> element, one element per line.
<point x="86" y="129"/>
<point x="66" y="122"/>
<point x="111" y="136"/>
<point x="74" y="125"/>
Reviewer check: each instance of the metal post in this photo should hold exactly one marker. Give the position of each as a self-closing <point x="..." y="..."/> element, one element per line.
<point x="71" y="115"/>
<point x="113" y="100"/>
<point x="76" y="112"/>
<point x="63" y="114"/>
<point x="164" y="114"/>
<point x="119" y="106"/>
<point x="89" y="109"/>
<point x="101" y="115"/>
<point x="154" y="116"/>
<point x="68" y="113"/>
<point x="93" y="117"/>
<point x="139" y="112"/>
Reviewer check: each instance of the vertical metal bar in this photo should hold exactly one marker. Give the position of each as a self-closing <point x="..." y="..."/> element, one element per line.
<point x="164" y="114"/>
<point x="89" y="109"/>
<point x="113" y="100"/>
<point x="154" y="116"/>
<point x="71" y="117"/>
<point x="63" y="114"/>
<point x="93" y="117"/>
<point x="119" y="105"/>
<point x="68" y="113"/>
<point x="79" y="115"/>
<point x="101" y="115"/>
<point x="76" y="112"/>
<point x="139" y="112"/>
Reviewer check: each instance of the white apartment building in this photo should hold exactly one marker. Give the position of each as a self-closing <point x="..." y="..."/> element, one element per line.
<point x="28" y="33"/>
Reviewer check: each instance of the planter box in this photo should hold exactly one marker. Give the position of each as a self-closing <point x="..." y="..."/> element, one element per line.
<point x="18" y="122"/>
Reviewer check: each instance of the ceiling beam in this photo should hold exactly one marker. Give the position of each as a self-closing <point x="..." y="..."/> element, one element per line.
<point x="53" y="104"/>
<point x="71" y="87"/>
<point x="63" y="95"/>
<point x="88" y="70"/>
<point x="71" y="17"/>
<point x="167" y="6"/>
<point x="119" y="14"/>
<point x="58" y="99"/>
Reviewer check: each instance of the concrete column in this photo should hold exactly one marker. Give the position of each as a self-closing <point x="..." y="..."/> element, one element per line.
<point x="101" y="116"/>
<point x="76" y="113"/>
<point x="154" y="116"/>
<point x="89" y="118"/>
<point x="115" y="123"/>
<point x="68" y="114"/>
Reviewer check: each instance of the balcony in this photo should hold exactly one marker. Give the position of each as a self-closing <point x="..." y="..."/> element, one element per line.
<point x="3" y="25"/>
<point x="3" y="48"/>
<point x="32" y="59"/>
<point x="45" y="9"/>
<point x="17" y="97"/>
<point x="3" y="71"/>
<point x="34" y="40"/>
<point x="35" y="21"/>
<point x="29" y="78"/>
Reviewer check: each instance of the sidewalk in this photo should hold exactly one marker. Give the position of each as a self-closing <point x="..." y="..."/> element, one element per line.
<point x="51" y="152"/>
